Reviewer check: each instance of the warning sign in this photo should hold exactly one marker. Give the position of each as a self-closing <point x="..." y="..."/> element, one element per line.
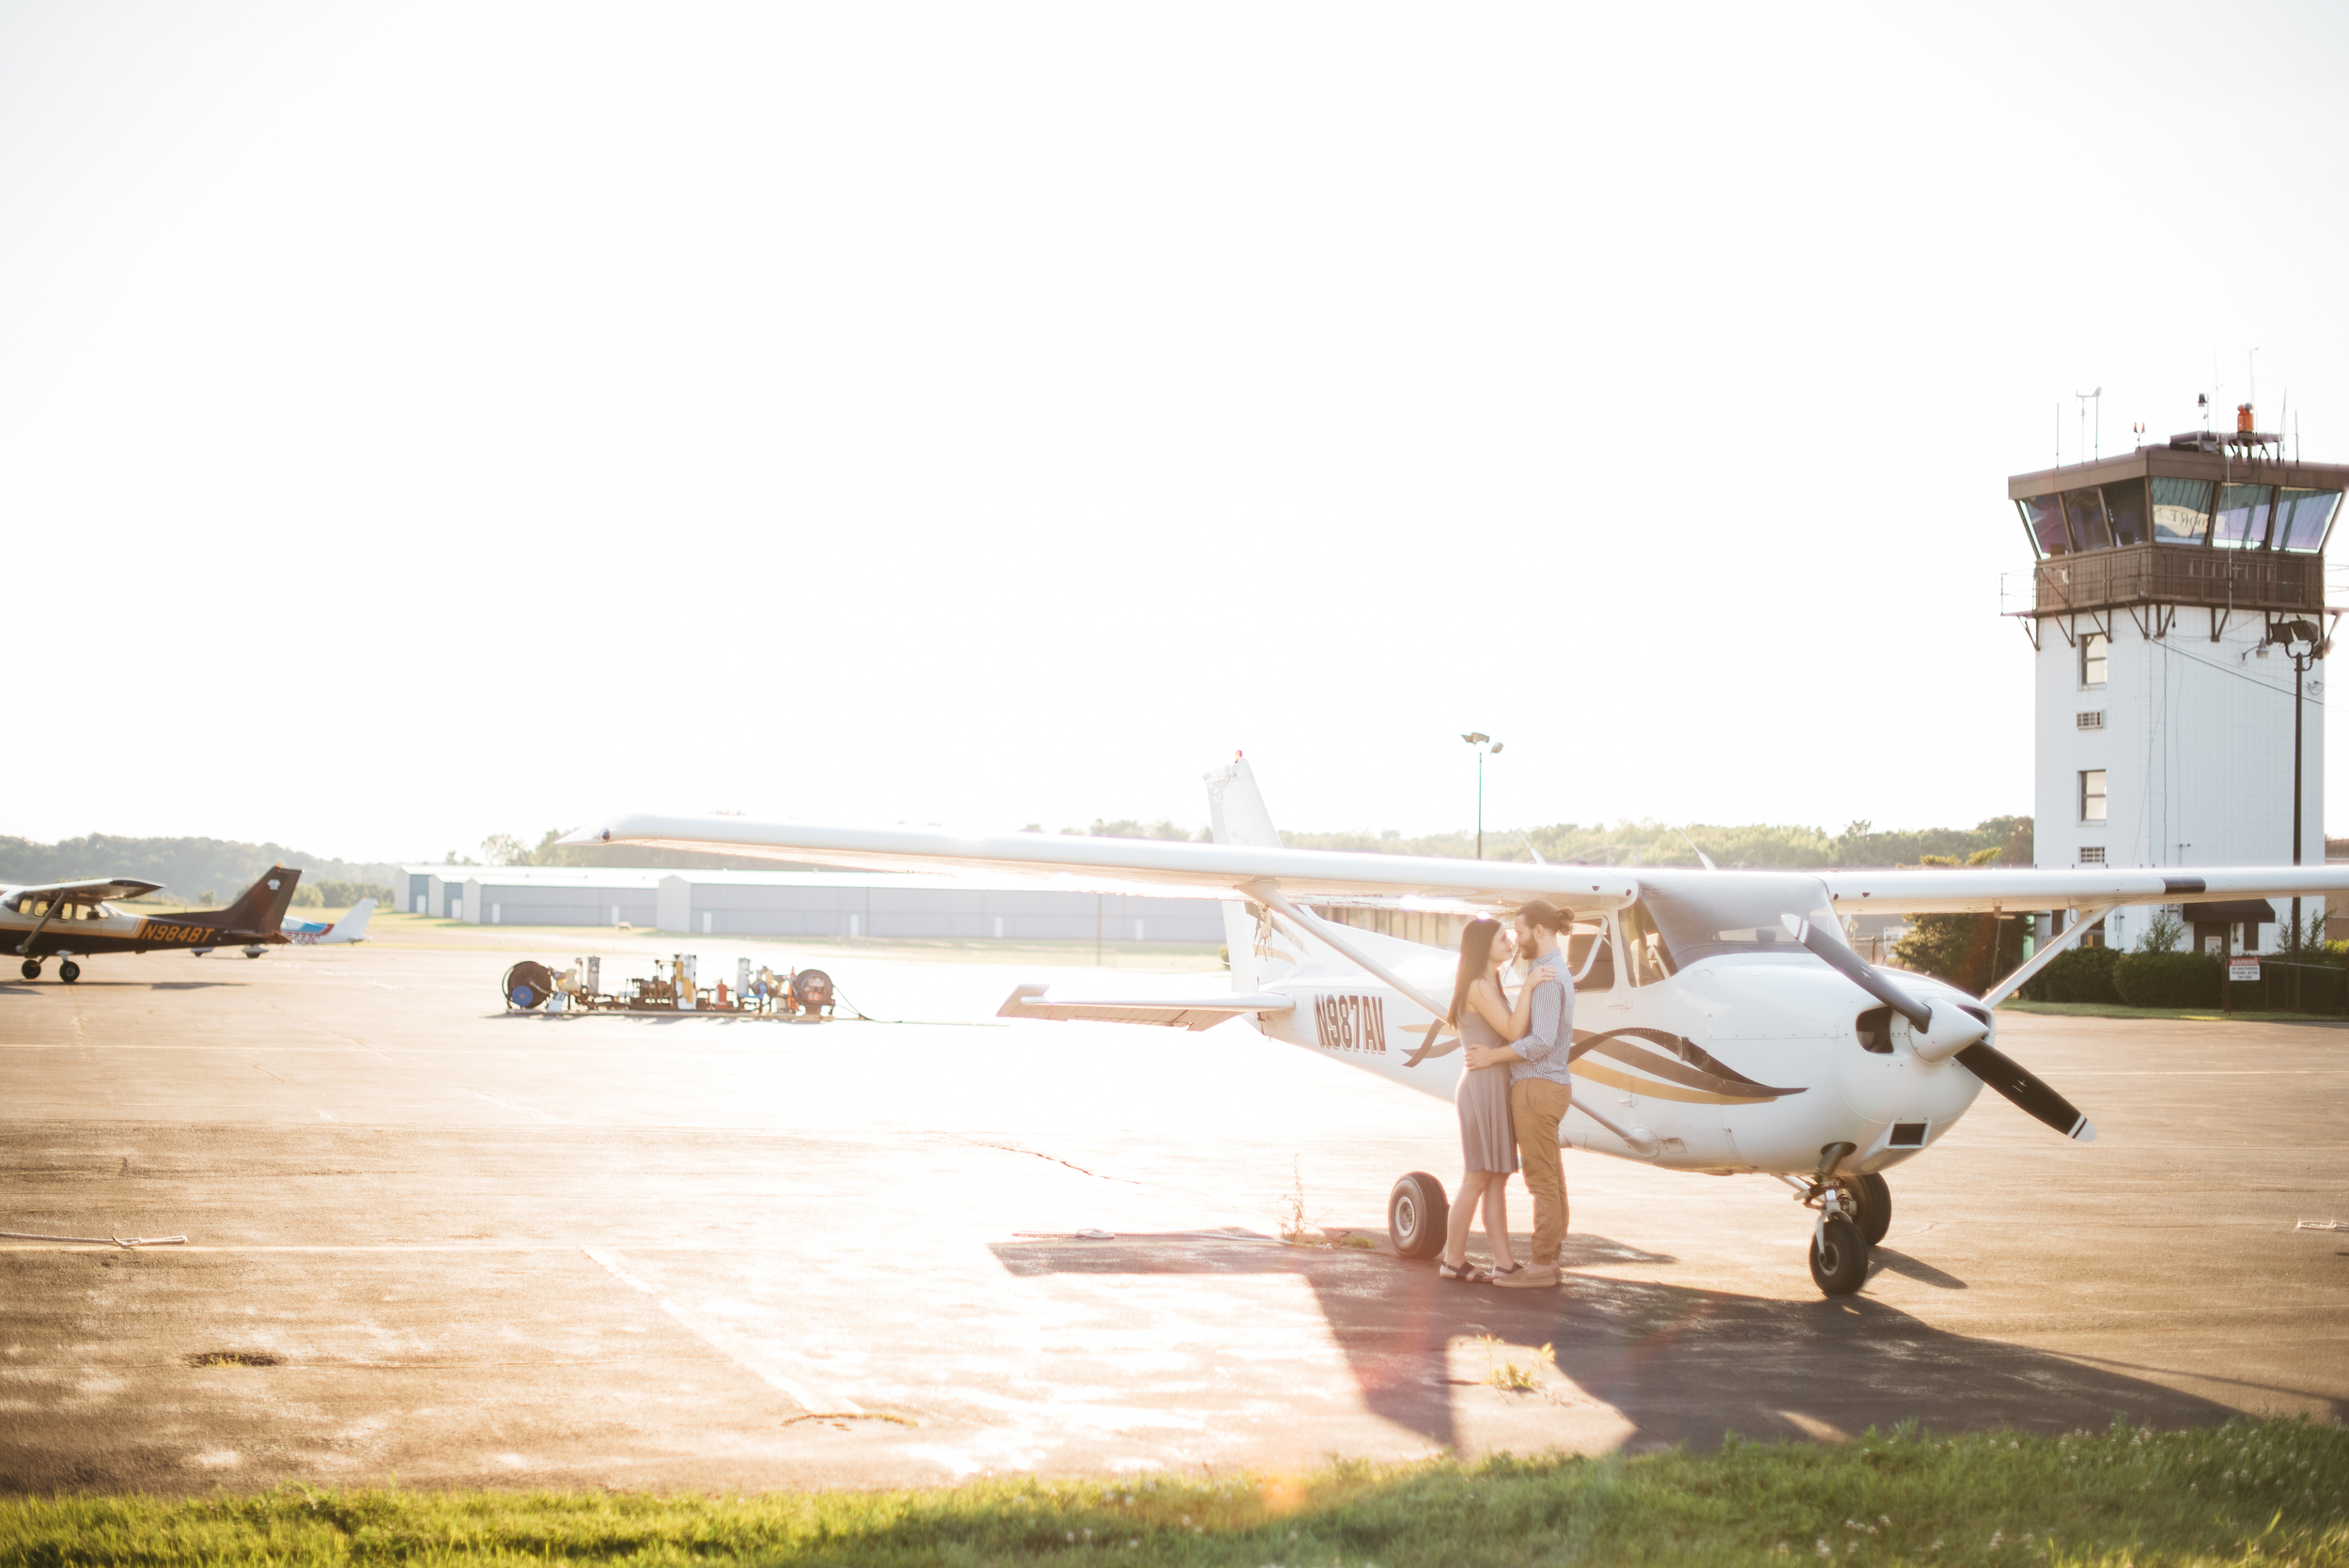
<point x="2241" y="968"/>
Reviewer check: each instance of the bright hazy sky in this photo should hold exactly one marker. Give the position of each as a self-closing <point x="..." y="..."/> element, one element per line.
<point x="424" y="421"/>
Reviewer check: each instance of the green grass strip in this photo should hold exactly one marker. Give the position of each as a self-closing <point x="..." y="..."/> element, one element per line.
<point x="2266" y="1492"/>
<point x="2186" y="1014"/>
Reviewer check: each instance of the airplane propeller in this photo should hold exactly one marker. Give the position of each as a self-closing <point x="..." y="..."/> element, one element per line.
<point x="1960" y="1034"/>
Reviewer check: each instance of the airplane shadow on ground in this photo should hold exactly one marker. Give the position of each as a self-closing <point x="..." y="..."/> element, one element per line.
<point x="1682" y="1365"/>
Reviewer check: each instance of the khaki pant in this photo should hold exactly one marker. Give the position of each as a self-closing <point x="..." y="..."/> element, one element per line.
<point x="1536" y="1106"/>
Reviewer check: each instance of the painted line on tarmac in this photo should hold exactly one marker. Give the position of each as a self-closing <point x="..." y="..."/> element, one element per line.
<point x="390" y="1246"/>
<point x="726" y="1343"/>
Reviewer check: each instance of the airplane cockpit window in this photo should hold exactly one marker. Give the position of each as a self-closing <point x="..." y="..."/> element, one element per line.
<point x="1645" y="957"/>
<point x="1701" y="918"/>
<point x="1589" y="958"/>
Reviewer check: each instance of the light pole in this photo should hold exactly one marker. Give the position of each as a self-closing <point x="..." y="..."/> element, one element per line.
<point x="2304" y="645"/>
<point x="1483" y="744"/>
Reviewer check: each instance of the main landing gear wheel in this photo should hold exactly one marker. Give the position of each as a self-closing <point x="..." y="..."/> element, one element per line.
<point x="68" y="972"/>
<point x="255" y="952"/>
<point x="29" y="968"/>
<point x="1870" y="1200"/>
<point x="1839" y="1258"/>
<point x="1417" y="1213"/>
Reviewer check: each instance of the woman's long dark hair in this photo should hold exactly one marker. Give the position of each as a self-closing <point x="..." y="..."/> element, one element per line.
<point x="1476" y="951"/>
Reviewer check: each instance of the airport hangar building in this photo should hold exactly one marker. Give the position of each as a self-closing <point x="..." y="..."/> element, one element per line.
<point x="796" y="904"/>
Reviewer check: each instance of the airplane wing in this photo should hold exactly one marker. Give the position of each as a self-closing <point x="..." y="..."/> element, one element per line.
<point x="1192" y="1013"/>
<point x="2012" y="889"/>
<point x="1163" y="867"/>
<point x="1178" y="868"/>
<point x="92" y="892"/>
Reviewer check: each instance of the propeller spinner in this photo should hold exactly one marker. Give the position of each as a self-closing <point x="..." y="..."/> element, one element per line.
<point x="1948" y="1032"/>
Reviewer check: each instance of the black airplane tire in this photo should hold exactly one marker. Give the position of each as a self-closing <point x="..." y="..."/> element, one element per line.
<point x="1839" y="1258"/>
<point x="1871" y="1200"/>
<point x="1417" y="1213"/>
<point x="198" y="952"/>
<point x="68" y="972"/>
<point x="255" y="952"/>
<point x="29" y="968"/>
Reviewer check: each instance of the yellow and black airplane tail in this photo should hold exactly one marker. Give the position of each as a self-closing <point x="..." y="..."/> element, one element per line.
<point x="260" y="909"/>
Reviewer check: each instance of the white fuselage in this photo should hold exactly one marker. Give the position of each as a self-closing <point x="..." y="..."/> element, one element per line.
<point x="1739" y="1063"/>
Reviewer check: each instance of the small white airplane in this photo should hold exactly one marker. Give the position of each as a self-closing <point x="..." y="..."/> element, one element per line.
<point x="352" y="927"/>
<point x="1723" y="1024"/>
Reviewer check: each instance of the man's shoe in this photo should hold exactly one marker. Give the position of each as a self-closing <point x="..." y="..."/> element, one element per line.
<point x="1529" y="1279"/>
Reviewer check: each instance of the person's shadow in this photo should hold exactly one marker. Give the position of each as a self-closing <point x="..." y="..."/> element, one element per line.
<point x="1682" y="1365"/>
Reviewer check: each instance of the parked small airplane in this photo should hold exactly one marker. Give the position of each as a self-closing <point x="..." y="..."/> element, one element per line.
<point x="1724" y="1024"/>
<point x="75" y="920"/>
<point x="352" y="927"/>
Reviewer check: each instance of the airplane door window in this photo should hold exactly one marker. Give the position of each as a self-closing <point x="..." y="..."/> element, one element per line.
<point x="1645" y="957"/>
<point x="1591" y="957"/>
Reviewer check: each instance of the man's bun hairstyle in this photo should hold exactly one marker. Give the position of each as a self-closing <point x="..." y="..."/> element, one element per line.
<point x="1541" y="914"/>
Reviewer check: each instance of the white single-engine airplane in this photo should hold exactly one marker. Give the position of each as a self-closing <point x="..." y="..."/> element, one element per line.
<point x="1723" y="1024"/>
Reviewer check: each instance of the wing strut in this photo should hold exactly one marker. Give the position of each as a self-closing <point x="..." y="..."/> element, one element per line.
<point x="2039" y="960"/>
<point x="56" y="902"/>
<point x="1269" y="897"/>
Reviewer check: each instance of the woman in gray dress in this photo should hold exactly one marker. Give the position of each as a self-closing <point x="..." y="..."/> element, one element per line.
<point x="1481" y="1014"/>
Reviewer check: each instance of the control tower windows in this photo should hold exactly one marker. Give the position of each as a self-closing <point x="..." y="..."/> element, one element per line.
<point x="2181" y="511"/>
<point x="2085" y="509"/>
<point x="2095" y="648"/>
<point x="2042" y="516"/>
<point x="2091" y="795"/>
<point x="2241" y="520"/>
<point x="2303" y="518"/>
<point x="2124" y="504"/>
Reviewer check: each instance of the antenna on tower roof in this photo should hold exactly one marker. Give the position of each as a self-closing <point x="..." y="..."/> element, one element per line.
<point x="2096" y="397"/>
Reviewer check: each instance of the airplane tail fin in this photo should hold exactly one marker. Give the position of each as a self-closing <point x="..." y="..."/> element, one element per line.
<point x="352" y="927"/>
<point x="1236" y="814"/>
<point x="1235" y="808"/>
<point x="260" y="909"/>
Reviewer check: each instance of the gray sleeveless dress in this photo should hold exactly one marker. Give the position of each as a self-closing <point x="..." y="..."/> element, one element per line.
<point x="1487" y="1137"/>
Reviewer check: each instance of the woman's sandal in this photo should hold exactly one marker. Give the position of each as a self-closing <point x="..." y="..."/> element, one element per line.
<point x="1464" y="1272"/>
<point x="1497" y="1273"/>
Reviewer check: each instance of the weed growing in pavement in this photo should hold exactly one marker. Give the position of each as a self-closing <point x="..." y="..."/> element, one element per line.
<point x="1508" y="1375"/>
<point x="2265" y="1492"/>
<point x="1296" y="1228"/>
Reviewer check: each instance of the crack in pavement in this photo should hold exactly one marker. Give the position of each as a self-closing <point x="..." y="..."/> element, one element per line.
<point x="1015" y="1149"/>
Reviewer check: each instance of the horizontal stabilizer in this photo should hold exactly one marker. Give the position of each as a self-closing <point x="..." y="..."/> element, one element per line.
<point x="1027" y="1001"/>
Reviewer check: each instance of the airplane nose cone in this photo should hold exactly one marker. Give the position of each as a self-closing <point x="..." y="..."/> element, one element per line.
<point x="1953" y="1031"/>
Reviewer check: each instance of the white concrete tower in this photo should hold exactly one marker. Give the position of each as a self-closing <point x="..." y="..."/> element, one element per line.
<point x="2177" y="588"/>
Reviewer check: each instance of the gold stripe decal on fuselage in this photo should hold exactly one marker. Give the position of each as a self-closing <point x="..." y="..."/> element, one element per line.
<point x="1677" y="1068"/>
<point x="1356" y="1023"/>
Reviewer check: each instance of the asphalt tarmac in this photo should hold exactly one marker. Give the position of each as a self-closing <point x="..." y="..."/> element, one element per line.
<point x="433" y="1243"/>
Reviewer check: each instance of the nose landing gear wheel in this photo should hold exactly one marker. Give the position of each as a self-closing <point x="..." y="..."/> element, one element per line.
<point x="1417" y="1213"/>
<point x="68" y="972"/>
<point x="1871" y="1202"/>
<point x="1839" y="1258"/>
<point x="29" y="968"/>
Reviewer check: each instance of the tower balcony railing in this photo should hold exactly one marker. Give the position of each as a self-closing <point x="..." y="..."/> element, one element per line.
<point x="2180" y="574"/>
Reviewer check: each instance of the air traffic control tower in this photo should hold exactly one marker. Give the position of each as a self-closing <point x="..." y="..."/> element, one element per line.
<point x="2178" y="602"/>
